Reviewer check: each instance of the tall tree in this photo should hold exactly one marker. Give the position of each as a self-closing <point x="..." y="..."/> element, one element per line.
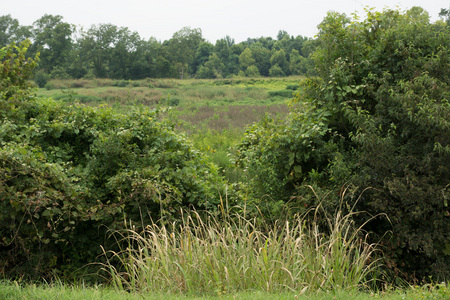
<point x="223" y="49"/>
<point x="53" y="39"/>
<point x="96" y="47"/>
<point x="279" y="58"/>
<point x="183" y="46"/>
<point x="8" y="29"/>
<point x="445" y="15"/>
<point x="201" y="56"/>
<point x="246" y="59"/>
<point x="125" y="54"/>
<point x="262" y="58"/>
<point x="213" y="68"/>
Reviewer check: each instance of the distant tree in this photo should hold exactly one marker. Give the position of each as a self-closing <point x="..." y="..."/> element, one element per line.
<point x="233" y="60"/>
<point x="8" y="30"/>
<point x="266" y="42"/>
<point x="252" y="71"/>
<point x="183" y="46"/>
<point x="125" y="54"/>
<point x="295" y="63"/>
<point x="445" y="15"/>
<point x="223" y="49"/>
<point x="262" y="58"/>
<point x="246" y="59"/>
<point x="11" y="31"/>
<point x="279" y="58"/>
<point x="53" y="39"/>
<point x="276" y="71"/>
<point x="282" y="34"/>
<point x="157" y="58"/>
<point x="297" y="43"/>
<point x="201" y="56"/>
<point x="213" y="68"/>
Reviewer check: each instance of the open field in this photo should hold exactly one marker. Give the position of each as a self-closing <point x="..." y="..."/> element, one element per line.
<point x="213" y="104"/>
<point x="213" y="113"/>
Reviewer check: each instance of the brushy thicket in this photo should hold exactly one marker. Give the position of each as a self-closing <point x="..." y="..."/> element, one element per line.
<point x="70" y="172"/>
<point x="378" y="116"/>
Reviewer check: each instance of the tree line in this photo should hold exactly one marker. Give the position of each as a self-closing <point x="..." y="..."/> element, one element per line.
<point x="110" y="51"/>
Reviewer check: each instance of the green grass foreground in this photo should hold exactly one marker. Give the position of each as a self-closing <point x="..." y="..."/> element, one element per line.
<point x="14" y="290"/>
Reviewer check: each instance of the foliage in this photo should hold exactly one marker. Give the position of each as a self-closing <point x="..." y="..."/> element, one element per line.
<point x="68" y="172"/>
<point x="15" y="71"/>
<point x="110" y="51"/>
<point x="377" y="117"/>
<point x="52" y="39"/>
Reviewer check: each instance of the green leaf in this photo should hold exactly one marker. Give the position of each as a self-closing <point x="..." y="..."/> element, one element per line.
<point x="291" y="158"/>
<point x="46" y="213"/>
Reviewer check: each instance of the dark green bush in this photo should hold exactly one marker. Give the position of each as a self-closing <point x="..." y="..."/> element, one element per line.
<point x="293" y="87"/>
<point x="282" y="93"/>
<point x="106" y="166"/>
<point x="68" y="173"/>
<point x="378" y="117"/>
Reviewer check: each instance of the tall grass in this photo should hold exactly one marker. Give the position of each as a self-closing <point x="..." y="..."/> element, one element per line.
<point x="225" y="254"/>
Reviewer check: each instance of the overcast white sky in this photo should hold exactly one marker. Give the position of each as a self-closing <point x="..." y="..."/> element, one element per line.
<point x="240" y="19"/>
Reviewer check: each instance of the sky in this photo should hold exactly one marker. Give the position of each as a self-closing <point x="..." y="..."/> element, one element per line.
<point x="239" y="19"/>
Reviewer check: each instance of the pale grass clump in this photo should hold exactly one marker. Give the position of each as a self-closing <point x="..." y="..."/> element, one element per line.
<point x="228" y="254"/>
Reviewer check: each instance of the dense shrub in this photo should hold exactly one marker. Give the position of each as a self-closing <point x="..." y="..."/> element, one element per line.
<point x="70" y="172"/>
<point x="378" y="116"/>
<point x="293" y="87"/>
<point x="281" y="93"/>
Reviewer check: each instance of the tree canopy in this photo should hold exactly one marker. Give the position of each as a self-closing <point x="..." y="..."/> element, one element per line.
<point x="110" y="51"/>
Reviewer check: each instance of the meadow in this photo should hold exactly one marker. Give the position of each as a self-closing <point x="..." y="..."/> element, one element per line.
<point x="213" y="113"/>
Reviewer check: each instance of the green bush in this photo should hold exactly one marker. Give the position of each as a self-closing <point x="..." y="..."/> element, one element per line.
<point x="171" y="101"/>
<point x="378" y="118"/>
<point x="40" y="210"/>
<point x="276" y="71"/>
<point x="68" y="173"/>
<point x="49" y="86"/>
<point x="113" y="167"/>
<point x="59" y="73"/>
<point x="281" y="93"/>
<point x="293" y="87"/>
